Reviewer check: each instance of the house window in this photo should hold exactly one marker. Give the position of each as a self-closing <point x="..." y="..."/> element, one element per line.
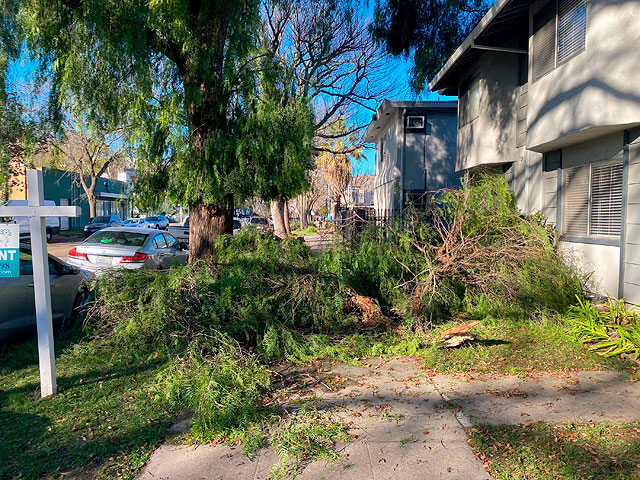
<point x="559" y="33"/>
<point x="383" y="150"/>
<point x="415" y="123"/>
<point x="592" y="200"/>
<point x="544" y="40"/>
<point x="572" y="28"/>
<point x="469" y="105"/>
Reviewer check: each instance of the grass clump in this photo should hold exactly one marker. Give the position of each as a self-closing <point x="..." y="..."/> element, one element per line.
<point x="104" y="422"/>
<point x="572" y="451"/>
<point x="304" y="231"/>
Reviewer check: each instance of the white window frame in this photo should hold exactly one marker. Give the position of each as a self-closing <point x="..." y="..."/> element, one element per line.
<point x="617" y="161"/>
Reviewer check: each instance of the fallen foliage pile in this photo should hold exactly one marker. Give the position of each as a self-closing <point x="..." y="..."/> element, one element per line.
<point x="262" y="301"/>
<point x="469" y="250"/>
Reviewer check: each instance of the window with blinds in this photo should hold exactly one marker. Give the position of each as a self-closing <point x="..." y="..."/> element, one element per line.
<point x="544" y="40"/>
<point x="592" y="200"/>
<point x="559" y="33"/>
<point x="576" y="189"/>
<point x="606" y="200"/>
<point x="572" y="28"/>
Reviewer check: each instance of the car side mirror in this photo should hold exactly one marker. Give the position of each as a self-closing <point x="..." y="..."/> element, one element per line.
<point x="184" y="245"/>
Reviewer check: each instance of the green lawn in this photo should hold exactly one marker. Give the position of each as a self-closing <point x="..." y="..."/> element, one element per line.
<point x="105" y="420"/>
<point x="310" y="230"/>
<point x="570" y="452"/>
<point x="520" y="347"/>
<point x="109" y="416"/>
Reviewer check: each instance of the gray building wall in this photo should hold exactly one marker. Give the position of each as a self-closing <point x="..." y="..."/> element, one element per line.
<point x="490" y="138"/>
<point x="386" y="196"/>
<point x="630" y="278"/>
<point x="429" y="155"/>
<point x="595" y="92"/>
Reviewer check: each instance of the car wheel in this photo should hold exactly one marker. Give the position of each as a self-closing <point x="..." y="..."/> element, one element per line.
<point x="80" y="307"/>
<point x="49" y="236"/>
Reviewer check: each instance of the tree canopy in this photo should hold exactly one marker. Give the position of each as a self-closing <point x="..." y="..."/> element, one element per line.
<point x="428" y="31"/>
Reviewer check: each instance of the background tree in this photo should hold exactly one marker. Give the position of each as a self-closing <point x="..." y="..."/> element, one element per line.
<point x="277" y="140"/>
<point x="313" y="197"/>
<point x="86" y="156"/>
<point x="327" y="55"/>
<point x="337" y="153"/>
<point x="426" y="30"/>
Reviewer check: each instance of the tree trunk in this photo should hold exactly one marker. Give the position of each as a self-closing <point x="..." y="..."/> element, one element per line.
<point x="304" y="217"/>
<point x="277" y="211"/>
<point x="91" y="199"/>
<point x="285" y="214"/>
<point x="334" y="210"/>
<point x="206" y="222"/>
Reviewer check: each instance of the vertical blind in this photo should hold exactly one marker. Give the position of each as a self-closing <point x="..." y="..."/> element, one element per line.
<point x="572" y="28"/>
<point x="592" y="200"/>
<point x="544" y="40"/>
<point x="606" y="200"/>
<point x="575" y="201"/>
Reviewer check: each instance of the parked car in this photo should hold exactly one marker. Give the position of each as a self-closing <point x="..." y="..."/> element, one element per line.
<point x="52" y="224"/>
<point x="134" y="222"/>
<point x="157" y="221"/>
<point x="261" y="223"/>
<point x="103" y="221"/>
<point x="69" y="295"/>
<point x="181" y="232"/>
<point x="128" y="247"/>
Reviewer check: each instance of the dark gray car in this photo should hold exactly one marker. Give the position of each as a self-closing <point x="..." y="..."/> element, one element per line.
<point x="103" y="221"/>
<point x="68" y="295"/>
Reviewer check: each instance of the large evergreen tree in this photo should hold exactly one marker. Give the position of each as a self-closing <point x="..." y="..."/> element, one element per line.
<point x="175" y="69"/>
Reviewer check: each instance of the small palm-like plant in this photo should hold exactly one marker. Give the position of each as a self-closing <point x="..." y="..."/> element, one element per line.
<point x="612" y="332"/>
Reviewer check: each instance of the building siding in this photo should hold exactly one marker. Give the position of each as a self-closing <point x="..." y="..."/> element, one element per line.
<point x="594" y="90"/>
<point x="631" y="268"/>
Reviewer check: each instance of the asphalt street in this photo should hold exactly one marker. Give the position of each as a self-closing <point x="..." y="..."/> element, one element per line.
<point x="60" y="245"/>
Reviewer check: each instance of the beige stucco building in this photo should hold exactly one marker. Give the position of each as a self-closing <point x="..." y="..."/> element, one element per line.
<point x="415" y="146"/>
<point x="549" y="93"/>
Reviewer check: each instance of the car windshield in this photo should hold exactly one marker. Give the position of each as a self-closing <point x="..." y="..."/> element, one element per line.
<point x="151" y="219"/>
<point x="128" y="239"/>
<point x="131" y="220"/>
<point x="258" y="220"/>
<point x="100" y="220"/>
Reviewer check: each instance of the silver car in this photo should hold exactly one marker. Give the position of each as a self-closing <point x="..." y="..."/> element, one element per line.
<point x="128" y="247"/>
<point x="69" y="295"/>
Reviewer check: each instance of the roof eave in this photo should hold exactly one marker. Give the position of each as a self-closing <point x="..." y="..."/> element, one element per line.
<point x="489" y="17"/>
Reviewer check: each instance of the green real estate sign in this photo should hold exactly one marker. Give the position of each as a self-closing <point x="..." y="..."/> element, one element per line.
<point x="9" y="250"/>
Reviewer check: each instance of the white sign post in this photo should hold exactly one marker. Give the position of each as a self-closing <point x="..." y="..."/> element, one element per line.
<point x="36" y="211"/>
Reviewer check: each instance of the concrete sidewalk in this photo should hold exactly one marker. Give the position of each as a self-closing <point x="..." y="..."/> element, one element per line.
<point x="409" y="425"/>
